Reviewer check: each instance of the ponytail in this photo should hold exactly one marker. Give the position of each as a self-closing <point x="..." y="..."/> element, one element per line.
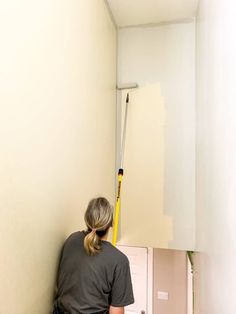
<point x="98" y="218"/>
<point x="92" y="243"/>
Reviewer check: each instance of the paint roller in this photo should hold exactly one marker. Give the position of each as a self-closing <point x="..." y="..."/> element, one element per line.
<point x="121" y="170"/>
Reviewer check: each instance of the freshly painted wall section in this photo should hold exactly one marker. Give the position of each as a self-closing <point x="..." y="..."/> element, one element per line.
<point x="143" y="194"/>
<point x="164" y="57"/>
<point x="216" y="155"/>
<point x="57" y="135"/>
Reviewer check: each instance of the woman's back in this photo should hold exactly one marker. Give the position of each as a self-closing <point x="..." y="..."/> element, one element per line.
<point x="90" y="284"/>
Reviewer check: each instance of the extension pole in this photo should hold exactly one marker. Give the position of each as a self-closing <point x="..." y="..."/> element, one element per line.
<point x="120" y="177"/>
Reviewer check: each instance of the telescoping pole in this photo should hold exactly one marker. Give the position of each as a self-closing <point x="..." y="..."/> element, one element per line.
<point x="121" y="170"/>
<point x="120" y="177"/>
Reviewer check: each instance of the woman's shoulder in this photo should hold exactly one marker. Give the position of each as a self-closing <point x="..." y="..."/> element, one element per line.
<point x="114" y="253"/>
<point x="75" y="236"/>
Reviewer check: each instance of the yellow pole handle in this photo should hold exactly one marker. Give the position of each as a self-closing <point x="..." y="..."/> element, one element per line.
<point x="117" y="210"/>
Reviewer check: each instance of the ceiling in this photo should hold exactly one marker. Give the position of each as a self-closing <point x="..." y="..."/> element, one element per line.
<point x="138" y="12"/>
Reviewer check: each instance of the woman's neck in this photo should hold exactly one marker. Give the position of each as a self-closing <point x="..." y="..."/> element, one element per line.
<point x="105" y="237"/>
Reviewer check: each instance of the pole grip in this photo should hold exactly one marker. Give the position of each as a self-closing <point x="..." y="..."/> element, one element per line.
<point x="117" y="209"/>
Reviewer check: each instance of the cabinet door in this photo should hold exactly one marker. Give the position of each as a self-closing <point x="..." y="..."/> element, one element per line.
<point x="138" y="266"/>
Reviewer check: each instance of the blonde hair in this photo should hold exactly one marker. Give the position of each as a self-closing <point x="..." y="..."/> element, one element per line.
<point x="98" y="218"/>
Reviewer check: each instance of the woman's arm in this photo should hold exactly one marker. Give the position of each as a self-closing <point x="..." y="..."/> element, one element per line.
<point x="116" y="310"/>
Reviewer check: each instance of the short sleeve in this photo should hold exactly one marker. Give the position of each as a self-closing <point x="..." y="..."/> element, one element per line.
<point x="122" y="291"/>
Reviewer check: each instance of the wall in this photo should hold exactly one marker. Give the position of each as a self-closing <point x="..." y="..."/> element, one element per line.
<point x="159" y="181"/>
<point x="57" y="103"/>
<point x="170" y="275"/>
<point x="216" y="154"/>
<point x="143" y="185"/>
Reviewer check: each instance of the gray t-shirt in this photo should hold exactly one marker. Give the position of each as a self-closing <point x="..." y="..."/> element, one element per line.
<point x="90" y="284"/>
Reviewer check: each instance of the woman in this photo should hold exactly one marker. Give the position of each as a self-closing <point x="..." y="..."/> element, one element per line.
<point x="94" y="276"/>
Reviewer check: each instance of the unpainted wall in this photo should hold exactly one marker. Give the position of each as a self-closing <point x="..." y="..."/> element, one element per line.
<point x="158" y="205"/>
<point x="215" y="270"/>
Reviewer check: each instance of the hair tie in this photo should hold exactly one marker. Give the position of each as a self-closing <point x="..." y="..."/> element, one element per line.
<point x="94" y="230"/>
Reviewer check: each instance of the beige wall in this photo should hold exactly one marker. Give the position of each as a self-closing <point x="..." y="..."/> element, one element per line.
<point x="170" y="275"/>
<point x="57" y="118"/>
<point x="144" y="162"/>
